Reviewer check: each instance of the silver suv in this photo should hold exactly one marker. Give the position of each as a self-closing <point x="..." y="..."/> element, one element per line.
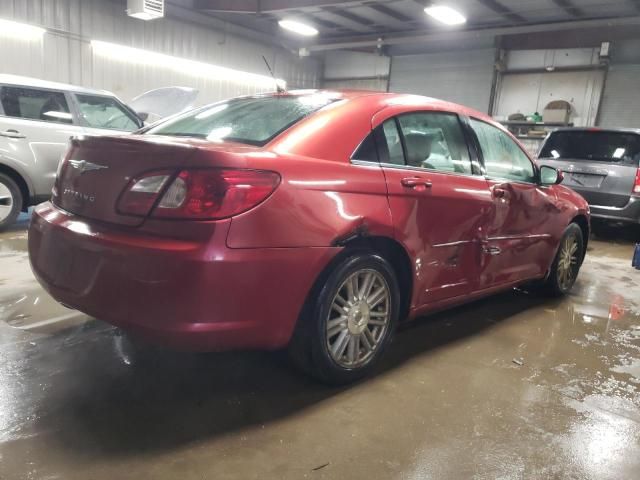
<point x="602" y="165"/>
<point x="37" y="118"/>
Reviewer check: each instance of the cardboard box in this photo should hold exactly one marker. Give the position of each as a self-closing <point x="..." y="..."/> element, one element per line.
<point x="556" y="115"/>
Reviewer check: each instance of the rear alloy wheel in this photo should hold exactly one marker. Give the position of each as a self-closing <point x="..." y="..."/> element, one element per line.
<point x="345" y="328"/>
<point x="10" y="201"/>
<point x="566" y="265"/>
<point x="358" y="319"/>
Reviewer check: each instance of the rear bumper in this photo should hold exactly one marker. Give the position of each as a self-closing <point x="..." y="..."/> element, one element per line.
<point x="630" y="213"/>
<point x="185" y="295"/>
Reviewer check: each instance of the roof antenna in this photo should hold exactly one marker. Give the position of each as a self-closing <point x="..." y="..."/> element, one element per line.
<point x="279" y="89"/>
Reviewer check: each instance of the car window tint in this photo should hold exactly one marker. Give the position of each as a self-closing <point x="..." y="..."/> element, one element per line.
<point x="435" y="141"/>
<point x="394" y="144"/>
<point x="35" y="104"/>
<point x="367" y="151"/>
<point x="594" y="146"/>
<point x="503" y="158"/>
<point x="105" y="112"/>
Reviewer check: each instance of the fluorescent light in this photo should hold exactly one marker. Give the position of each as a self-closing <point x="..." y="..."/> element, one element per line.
<point x="298" y="27"/>
<point x="182" y="65"/>
<point x="446" y="15"/>
<point x="20" y="30"/>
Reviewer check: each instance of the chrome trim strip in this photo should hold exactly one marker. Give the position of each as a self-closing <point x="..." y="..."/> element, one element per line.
<point x="365" y="163"/>
<point x="517" y="237"/>
<point x="604" y="207"/>
<point x="452" y="244"/>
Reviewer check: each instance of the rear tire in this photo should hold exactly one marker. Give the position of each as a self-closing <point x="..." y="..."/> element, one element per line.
<point x="348" y="320"/>
<point x="566" y="265"/>
<point x="10" y="201"/>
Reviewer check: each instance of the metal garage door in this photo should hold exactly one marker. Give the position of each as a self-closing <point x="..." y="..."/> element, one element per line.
<point x="621" y="101"/>
<point x="463" y="77"/>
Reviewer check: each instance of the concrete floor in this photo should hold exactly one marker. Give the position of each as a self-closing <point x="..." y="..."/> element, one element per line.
<point x="79" y="401"/>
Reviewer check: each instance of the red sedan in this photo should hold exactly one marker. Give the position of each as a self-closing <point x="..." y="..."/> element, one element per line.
<point x="313" y="220"/>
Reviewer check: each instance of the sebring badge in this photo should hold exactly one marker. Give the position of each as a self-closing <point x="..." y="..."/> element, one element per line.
<point x="85" y="166"/>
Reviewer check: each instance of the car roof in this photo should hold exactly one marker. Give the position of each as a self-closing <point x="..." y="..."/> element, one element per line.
<point x="21" y="81"/>
<point x="388" y="99"/>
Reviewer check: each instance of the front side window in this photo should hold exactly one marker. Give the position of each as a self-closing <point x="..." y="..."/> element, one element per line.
<point x="106" y="112"/>
<point x="503" y="158"/>
<point x="254" y="121"/>
<point x="35" y="104"/>
<point x="429" y="140"/>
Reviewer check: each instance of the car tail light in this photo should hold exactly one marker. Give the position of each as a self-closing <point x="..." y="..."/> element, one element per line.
<point x="636" y="185"/>
<point x="198" y="194"/>
<point x="142" y="192"/>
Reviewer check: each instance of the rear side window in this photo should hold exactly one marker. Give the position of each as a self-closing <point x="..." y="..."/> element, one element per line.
<point x="35" y="104"/>
<point x="254" y="121"/>
<point x="503" y="158"/>
<point x="612" y="147"/>
<point x="435" y="141"/>
<point x="429" y="140"/>
<point x="106" y="112"/>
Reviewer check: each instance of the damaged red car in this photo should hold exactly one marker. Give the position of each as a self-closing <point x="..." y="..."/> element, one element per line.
<point x="312" y="220"/>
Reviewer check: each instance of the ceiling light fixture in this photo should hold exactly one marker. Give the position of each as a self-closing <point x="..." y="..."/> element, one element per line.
<point x="298" y="27"/>
<point x="20" y="30"/>
<point x="446" y="15"/>
<point x="182" y="65"/>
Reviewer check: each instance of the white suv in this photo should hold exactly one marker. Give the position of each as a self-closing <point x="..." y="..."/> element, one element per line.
<point x="37" y="118"/>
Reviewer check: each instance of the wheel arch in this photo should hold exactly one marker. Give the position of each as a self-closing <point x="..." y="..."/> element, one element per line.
<point x="20" y="181"/>
<point x="392" y="251"/>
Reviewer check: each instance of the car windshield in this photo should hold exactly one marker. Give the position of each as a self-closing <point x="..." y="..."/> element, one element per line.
<point x="613" y="147"/>
<point x="254" y="121"/>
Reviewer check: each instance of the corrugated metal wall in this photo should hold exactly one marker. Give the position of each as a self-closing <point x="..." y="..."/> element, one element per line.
<point x="65" y="54"/>
<point x="463" y="77"/>
<point x="357" y="70"/>
<point x="621" y="100"/>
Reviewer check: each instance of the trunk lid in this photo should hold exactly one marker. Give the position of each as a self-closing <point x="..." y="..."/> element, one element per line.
<point x="97" y="169"/>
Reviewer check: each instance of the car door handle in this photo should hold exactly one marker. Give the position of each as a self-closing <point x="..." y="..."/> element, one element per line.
<point x="12" y="134"/>
<point x="492" y="250"/>
<point x="498" y="192"/>
<point x="413" y="182"/>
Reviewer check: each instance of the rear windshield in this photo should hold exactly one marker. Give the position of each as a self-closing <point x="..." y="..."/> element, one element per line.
<point x="612" y="147"/>
<point x="254" y="121"/>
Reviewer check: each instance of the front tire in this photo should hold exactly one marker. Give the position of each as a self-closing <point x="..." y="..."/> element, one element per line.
<point x="566" y="265"/>
<point x="10" y="201"/>
<point x="349" y="320"/>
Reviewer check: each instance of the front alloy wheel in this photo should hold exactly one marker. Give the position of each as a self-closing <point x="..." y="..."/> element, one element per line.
<point x="566" y="265"/>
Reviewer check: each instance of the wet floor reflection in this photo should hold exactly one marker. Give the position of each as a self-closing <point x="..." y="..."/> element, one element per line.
<point x="80" y="400"/>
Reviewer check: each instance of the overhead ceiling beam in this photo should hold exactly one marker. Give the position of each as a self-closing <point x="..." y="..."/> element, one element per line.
<point x="502" y="10"/>
<point x="476" y="33"/>
<point x="389" y="12"/>
<point x="365" y="22"/>
<point x="569" y="7"/>
<point x="266" y="6"/>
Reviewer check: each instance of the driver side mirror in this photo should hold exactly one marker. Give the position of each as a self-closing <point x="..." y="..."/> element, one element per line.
<point x="142" y="116"/>
<point x="550" y="175"/>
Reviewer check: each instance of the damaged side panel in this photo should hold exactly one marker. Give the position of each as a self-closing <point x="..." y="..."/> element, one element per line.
<point x="343" y="201"/>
